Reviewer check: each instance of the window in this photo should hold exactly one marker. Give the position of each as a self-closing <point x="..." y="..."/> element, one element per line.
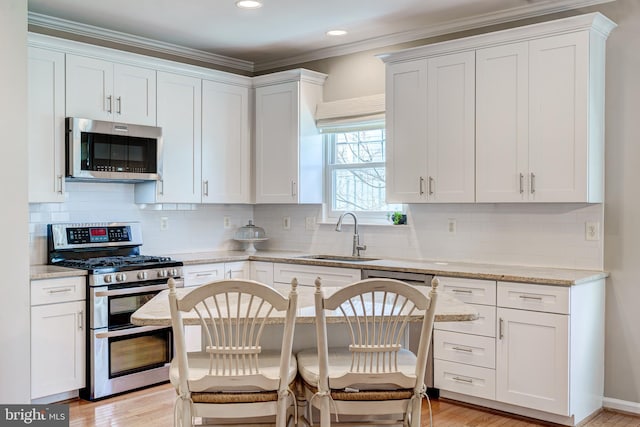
<point x="355" y="173"/>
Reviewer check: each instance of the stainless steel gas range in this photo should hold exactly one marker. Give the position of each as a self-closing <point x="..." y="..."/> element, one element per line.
<point x="120" y="356"/>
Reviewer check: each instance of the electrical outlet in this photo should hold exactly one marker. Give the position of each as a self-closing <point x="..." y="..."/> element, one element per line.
<point x="164" y="223"/>
<point x="592" y="231"/>
<point x="286" y="223"/>
<point x="227" y="222"/>
<point x="451" y="226"/>
<point x="310" y="223"/>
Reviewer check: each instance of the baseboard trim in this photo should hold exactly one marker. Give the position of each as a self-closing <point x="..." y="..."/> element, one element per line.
<point x="621" y="405"/>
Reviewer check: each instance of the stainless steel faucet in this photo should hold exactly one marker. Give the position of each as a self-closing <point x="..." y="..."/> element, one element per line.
<point x="357" y="247"/>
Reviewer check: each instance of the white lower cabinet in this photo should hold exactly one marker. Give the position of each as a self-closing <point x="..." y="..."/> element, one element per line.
<point x="307" y="274"/>
<point x="262" y="272"/>
<point x="533" y="360"/>
<point x="464" y="352"/>
<point x="544" y="357"/>
<point x="58" y="336"/>
<point x="199" y="274"/>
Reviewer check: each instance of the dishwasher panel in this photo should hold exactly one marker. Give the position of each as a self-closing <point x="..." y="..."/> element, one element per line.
<point x="416" y="279"/>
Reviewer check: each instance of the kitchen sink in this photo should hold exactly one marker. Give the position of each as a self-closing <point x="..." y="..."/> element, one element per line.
<point x="345" y="258"/>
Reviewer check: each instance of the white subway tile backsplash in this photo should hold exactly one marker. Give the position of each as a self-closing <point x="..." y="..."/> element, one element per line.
<point x="526" y="234"/>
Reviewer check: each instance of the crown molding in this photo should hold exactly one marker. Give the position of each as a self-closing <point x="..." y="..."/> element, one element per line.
<point x="522" y="12"/>
<point x="126" y="39"/>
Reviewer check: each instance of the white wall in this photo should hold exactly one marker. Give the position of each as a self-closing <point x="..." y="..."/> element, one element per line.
<point x="622" y="204"/>
<point x="14" y="261"/>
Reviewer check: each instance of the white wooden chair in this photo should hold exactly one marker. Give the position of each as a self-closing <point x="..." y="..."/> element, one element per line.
<point x="374" y="376"/>
<point x="233" y="377"/>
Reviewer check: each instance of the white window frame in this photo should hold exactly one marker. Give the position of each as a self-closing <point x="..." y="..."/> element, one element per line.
<point x="330" y="215"/>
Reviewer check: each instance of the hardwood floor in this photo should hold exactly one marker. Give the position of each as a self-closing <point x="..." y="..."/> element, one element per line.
<point x="153" y="407"/>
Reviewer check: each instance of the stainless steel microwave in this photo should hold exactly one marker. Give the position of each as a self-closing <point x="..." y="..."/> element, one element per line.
<point x="109" y="151"/>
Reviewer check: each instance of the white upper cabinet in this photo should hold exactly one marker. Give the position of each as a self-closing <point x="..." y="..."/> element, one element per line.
<point x="563" y="130"/>
<point x="451" y="128"/>
<point x="430" y="130"/>
<point x="226" y="145"/>
<point x="533" y="128"/>
<point x="538" y="103"/>
<point x="406" y="128"/>
<point x="179" y="115"/>
<point x="289" y="155"/>
<point x="46" y="125"/>
<point x="502" y="123"/>
<point x="103" y="90"/>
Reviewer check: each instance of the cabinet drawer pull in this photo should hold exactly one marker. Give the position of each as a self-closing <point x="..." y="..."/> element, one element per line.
<point x="293" y="188"/>
<point x="421" y="186"/>
<point x="462" y="291"/>
<point x="80" y="319"/>
<point x="501" y="328"/>
<point x="119" y="104"/>
<point x="205" y="188"/>
<point x="430" y="185"/>
<point x="59" y="184"/>
<point x="110" y="104"/>
<point x="466" y="350"/>
<point x="59" y="290"/>
<point x="204" y="274"/>
<point x="463" y="380"/>
<point x="532" y="298"/>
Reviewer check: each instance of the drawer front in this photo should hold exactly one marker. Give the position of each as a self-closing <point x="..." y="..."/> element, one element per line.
<point x="49" y="291"/>
<point x="465" y="379"/>
<point x="306" y="274"/>
<point x="462" y="348"/>
<point x="472" y="291"/>
<point x="484" y="325"/>
<point x="550" y="299"/>
<point x="196" y="275"/>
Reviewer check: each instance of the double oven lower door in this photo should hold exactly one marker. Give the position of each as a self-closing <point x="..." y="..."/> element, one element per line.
<point x="123" y="356"/>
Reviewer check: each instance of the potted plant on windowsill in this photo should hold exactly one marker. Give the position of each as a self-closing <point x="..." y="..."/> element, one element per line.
<point x="399" y="218"/>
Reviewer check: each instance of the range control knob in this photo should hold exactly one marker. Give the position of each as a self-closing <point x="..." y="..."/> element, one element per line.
<point x="173" y="272"/>
<point x="121" y="277"/>
<point x="108" y="278"/>
<point x="142" y="275"/>
<point x="162" y="273"/>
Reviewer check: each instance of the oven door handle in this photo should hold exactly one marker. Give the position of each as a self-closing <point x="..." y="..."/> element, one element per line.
<point x="128" y="331"/>
<point x="137" y="290"/>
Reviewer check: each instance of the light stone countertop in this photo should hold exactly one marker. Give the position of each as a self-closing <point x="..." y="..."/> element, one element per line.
<point x="507" y="273"/>
<point x="156" y="311"/>
<point x="45" y="271"/>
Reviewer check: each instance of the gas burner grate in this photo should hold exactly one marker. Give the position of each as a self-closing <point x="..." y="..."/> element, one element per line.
<point x="113" y="261"/>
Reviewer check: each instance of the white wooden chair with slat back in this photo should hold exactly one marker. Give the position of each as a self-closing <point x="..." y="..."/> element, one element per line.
<point x="373" y="377"/>
<point x="233" y="377"/>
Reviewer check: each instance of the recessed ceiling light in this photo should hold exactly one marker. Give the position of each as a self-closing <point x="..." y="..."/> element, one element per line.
<point x="336" y="32"/>
<point x="249" y="4"/>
